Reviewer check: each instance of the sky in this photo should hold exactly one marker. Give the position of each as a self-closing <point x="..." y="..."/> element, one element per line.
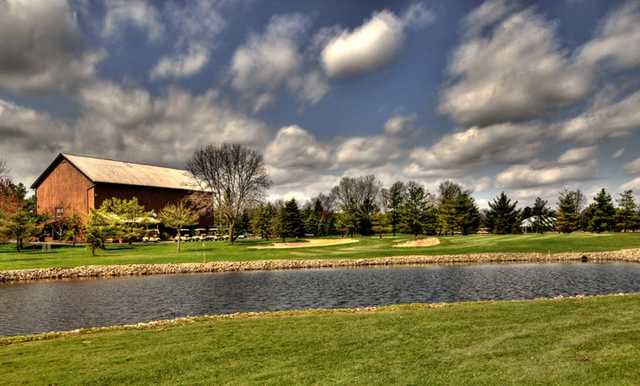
<point x="515" y="96"/>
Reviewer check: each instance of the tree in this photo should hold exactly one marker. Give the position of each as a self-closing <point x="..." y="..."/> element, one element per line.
<point x="177" y="216"/>
<point x="290" y="221"/>
<point x="415" y="208"/>
<point x="394" y="199"/>
<point x="262" y="220"/>
<point x="542" y="221"/>
<point x="235" y="175"/>
<point x="356" y="198"/>
<point x="132" y="217"/>
<point x="16" y="220"/>
<point x="603" y="213"/>
<point x="100" y="225"/>
<point x="502" y="217"/>
<point x="570" y="204"/>
<point x="627" y="217"/>
<point x="457" y="210"/>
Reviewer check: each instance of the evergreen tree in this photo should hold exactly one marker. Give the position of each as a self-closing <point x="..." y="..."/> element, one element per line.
<point x="290" y="221"/>
<point x="394" y="198"/>
<point x="448" y="207"/>
<point x="603" y="213"/>
<point x="262" y="221"/>
<point x="415" y="209"/>
<point x="570" y="204"/>
<point x="468" y="215"/>
<point x="502" y="217"/>
<point x="132" y="217"/>
<point x="542" y="221"/>
<point x="627" y="217"/>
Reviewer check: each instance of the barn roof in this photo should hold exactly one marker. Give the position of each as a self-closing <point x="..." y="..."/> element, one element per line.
<point x="101" y="170"/>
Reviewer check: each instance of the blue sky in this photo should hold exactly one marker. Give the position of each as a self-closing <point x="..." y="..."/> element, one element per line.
<point x="526" y="97"/>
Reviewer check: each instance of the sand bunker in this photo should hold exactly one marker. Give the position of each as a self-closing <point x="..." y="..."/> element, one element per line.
<point x="428" y="242"/>
<point x="307" y="243"/>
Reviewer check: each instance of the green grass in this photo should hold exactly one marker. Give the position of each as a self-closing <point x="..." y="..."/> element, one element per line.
<point x="366" y="247"/>
<point x="570" y="341"/>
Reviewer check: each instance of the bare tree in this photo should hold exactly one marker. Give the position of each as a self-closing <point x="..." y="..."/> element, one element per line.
<point x="236" y="177"/>
<point x="357" y="199"/>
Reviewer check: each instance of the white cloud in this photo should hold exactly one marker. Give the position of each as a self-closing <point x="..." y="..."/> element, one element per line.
<point x="633" y="167"/>
<point x="22" y="130"/>
<point x="294" y="147"/>
<point x="368" y="151"/>
<point x="615" y="38"/>
<point x="368" y="47"/>
<point x="195" y="26"/>
<point x="531" y="175"/>
<point x="633" y="184"/>
<point x="401" y="125"/>
<point x="578" y="154"/>
<point x="607" y="119"/>
<point x="417" y="15"/>
<point x="42" y="47"/>
<point x="503" y="143"/>
<point x="129" y="123"/>
<point x="487" y="14"/>
<point x="273" y="60"/>
<point x="519" y="71"/>
<point x="182" y="64"/>
<point x="141" y="14"/>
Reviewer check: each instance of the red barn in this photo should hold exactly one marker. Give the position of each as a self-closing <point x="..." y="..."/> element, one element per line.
<point x="77" y="183"/>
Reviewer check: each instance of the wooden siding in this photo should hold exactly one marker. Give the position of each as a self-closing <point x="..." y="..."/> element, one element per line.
<point x="65" y="187"/>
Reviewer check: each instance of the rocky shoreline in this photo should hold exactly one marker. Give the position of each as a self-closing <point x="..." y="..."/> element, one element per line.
<point x="106" y="271"/>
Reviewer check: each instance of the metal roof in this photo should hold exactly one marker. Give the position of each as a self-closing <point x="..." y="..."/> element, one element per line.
<point x="126" y="173"/>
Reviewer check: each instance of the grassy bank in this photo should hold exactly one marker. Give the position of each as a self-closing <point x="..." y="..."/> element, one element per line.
<point x="570" y="341"/>
<point x="365" y="247"/>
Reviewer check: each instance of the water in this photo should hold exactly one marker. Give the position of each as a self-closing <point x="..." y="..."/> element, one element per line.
<point x="27" y="308"/>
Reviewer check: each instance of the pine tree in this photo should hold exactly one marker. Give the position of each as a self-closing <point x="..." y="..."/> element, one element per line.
<point x="394" y="198"/>
<point x="502" y="217"/>
<point x="603" y="213"/>
<point x="468" y="215"/>
<point x="627" y="217"/>
<point x="542" y="221"/>
<point x="569" y="207"/>
<point x="262" y="220"/>
<point x="290" y="221"/>
<point x="414" y="214"/>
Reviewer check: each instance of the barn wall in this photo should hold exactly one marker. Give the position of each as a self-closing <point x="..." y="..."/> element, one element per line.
<point x="65" y="187"/>
<point x="151" y="198"/>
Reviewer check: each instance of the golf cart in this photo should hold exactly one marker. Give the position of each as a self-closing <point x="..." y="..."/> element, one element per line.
<point x="151" y="236"/>
<point x="184" y="235"/>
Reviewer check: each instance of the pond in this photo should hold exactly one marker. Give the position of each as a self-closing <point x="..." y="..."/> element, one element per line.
<point x="33" y="307"/>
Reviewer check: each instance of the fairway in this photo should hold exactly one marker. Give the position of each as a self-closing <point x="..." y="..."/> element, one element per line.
<point x="569" y="341"/>
<point x="365" y="247"/>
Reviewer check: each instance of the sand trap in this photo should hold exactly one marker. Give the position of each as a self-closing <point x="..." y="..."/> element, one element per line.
<point x="428" y="242"/>
<point x="307" y="243"/>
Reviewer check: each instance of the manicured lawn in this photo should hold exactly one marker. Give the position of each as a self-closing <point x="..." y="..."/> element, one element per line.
<point x="570" y="341"/>
<point x="366" y="247"/>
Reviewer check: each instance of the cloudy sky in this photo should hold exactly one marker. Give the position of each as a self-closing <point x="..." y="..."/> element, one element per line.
<point x="501" y="95"/>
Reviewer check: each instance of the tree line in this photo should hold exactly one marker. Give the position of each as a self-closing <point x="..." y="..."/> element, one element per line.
<point x="235" y="180"/>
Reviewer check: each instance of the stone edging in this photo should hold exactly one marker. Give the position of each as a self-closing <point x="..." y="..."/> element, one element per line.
<point x="105" y="271"/>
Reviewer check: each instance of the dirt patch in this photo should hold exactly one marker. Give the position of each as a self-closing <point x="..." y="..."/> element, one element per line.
<point x="307" y="243"/>
<point x="428" y="242"/>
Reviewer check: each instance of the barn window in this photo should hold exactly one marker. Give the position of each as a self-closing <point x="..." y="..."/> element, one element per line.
<point x="59" y="212"/>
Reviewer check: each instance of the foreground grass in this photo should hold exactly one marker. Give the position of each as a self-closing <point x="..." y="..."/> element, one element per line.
<point x="366" y="247"/>
<point x="571" y="341"/>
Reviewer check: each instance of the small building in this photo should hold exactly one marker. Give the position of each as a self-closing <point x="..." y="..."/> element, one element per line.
<point x="75" y="184"/>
